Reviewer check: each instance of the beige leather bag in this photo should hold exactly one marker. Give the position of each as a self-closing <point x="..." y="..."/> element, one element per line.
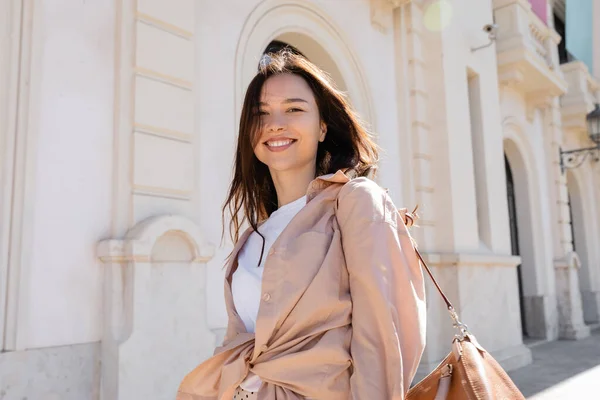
<point x="468" y="372"/>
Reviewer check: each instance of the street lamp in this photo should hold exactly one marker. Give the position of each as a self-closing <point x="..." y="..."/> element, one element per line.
<point x="574" y="158"/>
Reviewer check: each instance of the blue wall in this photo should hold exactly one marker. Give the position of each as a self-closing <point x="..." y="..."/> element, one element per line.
<point x="579" y="30"/>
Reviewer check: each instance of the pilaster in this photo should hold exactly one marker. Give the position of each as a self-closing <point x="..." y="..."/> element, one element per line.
<point x="381" y="13"/>
<point x="154" y="165"/>
<point x="566" y="262"/>
<point x="414" y="100"/>
<point x="570" y="311"/>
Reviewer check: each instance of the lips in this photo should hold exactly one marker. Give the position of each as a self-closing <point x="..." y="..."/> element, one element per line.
<point x="279" y="144"/>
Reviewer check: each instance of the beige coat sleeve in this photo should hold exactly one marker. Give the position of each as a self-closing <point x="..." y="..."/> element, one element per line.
<point x="387" y="291"/>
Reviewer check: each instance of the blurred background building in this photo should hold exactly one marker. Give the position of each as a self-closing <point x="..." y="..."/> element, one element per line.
<point x="118" y="126"/>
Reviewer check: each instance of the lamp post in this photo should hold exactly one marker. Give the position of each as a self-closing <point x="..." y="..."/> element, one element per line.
<point x="574" y="158"/>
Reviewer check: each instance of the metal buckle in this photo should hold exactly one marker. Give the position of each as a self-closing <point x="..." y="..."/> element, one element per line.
<point x="447" y="372"/>
<point x="463" y="330"/>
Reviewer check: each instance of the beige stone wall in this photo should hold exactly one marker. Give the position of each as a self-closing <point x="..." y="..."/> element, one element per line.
<point x="56" y="170"/>
<point x="119" y="122"/>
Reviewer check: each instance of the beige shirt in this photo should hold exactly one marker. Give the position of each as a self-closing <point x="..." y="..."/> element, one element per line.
<point x="343" y="305"/>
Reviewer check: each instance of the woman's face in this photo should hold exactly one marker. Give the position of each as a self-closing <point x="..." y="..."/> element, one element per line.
<point x="291" y="128"/>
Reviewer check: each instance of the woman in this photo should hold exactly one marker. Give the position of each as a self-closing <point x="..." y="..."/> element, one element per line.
<point x="324" y="292"/>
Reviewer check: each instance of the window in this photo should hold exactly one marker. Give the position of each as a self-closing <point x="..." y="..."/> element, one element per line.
<point x="563" y="54"/>
<point x="478" y="154"/>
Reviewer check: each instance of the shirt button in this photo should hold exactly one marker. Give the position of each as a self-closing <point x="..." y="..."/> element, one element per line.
<point x="266" y="297"/>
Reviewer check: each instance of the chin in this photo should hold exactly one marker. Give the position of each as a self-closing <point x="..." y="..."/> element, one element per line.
<point x="281" y="167"/>
<point x="287" y="165"/>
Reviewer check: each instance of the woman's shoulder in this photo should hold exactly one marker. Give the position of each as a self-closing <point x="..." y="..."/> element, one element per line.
<point x="362" y="199"/>
<point x="362" y="189"/>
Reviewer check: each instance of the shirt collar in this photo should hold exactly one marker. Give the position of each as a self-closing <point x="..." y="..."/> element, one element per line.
<point x="341" y="176"/>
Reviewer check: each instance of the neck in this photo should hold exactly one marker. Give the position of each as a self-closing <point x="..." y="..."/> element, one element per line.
<point x="291" y="185"/>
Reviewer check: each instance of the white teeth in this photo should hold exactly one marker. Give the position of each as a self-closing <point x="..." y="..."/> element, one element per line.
<point x="279" y="143"/>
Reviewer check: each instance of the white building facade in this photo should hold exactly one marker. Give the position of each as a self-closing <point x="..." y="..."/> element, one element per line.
<point x="118" y="128"/>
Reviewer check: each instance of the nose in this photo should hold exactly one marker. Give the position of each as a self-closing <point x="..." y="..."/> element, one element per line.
<point x="274" y="128"/>
<point x="275" y="124"/>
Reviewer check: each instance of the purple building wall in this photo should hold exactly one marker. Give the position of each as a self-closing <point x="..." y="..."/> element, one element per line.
<point x="540" y="8"/>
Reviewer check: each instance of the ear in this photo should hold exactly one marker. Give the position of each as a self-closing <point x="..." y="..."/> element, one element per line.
<point x="323" y="131"/>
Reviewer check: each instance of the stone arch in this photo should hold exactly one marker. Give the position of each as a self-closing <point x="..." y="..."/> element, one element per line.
<point x="144" y="240"/>
<point x="529" y="226"/>
<point x="315" y="52"/>
<point x="309" y="29"/>
<point x="582" y="214"/>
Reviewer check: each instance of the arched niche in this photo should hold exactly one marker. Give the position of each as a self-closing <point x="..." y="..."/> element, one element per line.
<point x="581" y="216"/>
<point x="147" y="239"/>
<point x="529" y="227"/>
<point x="308" y="28"/>
<point x="315" y="52"/>
<point x="155" y="307"/>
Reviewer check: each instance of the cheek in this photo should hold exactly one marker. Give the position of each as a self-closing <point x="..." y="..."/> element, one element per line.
<point x="255" y="142"/>
<point x="311" y="130"/>
<point x="259" y="151"/>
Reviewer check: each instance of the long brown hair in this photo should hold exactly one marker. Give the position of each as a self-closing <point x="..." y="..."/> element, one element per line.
<point x="347" y="145"/>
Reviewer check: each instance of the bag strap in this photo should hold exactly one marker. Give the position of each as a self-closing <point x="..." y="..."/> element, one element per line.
<point x="410" y="217"/>
<point x="462" y="328"/>
<point x="437" y="286"/>
<point x="409" y="220"/>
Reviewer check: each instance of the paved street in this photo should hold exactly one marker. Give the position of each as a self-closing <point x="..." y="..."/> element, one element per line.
<point x="562" y="370"/>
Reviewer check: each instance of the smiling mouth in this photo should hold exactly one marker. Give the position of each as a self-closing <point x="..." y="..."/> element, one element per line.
<point x="280" y="143"/>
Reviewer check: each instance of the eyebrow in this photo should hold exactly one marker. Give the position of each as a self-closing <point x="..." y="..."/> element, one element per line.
<point x="287" y="101"/>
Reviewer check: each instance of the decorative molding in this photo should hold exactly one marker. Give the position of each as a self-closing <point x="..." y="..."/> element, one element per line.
<point x="421" y="123"/>
<point x="128" y="74"/>
<point x="421" y="92"/>
<point x="163" y="25"/>
<point x="163" y="132"/>
<point x="498" y="4"/>
<point x="22" y="133"/>
<point x="415" y="60"/>
<point x="423" y="156"/>
<point x="538" y="100"/>
<point x="426" y="223"/>
<point x="139" y="242"/>
<point x="555" y="37"/>
<point x="156" y="191"/>
<point x="471" y="260"/>
<point x="124" y="110"/>
<point x="381" y="13"/>
<point x="415" y="99"/>
<point x="427" y="189"/>
<point x="164" y="78"/>
<point x="553" y="139"/>
<point x="570" y="260"/>
<point x="511" y="78"/>
<point x="10" y="44"/>
<point x="580" y="97"/>
<point x="527" y="53"/>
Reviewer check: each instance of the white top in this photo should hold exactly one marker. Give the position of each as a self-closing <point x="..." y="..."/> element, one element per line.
<point x="247" y="279"/>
